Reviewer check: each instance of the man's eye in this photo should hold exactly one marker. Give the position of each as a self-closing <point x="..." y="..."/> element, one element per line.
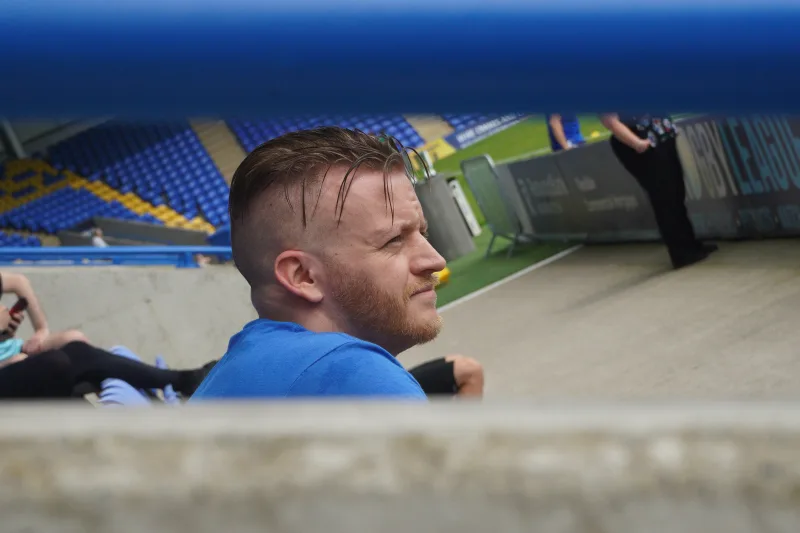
<point x="394" y="240"/>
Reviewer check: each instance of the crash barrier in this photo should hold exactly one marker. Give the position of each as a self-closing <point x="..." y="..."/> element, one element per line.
<point x="342" y="467"/>
<point x="178" y="256"/>
<point x="150" y="233"/>
<point x="742" y="176"/>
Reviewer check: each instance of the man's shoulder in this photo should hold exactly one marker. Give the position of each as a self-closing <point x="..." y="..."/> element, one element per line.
<point x="287" y="336"/>
<point x="283" y="359"/>
<point x="356" y="368"/>
<point x="289" y="349"/>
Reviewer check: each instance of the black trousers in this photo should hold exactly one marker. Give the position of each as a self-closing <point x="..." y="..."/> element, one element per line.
<point x="660" y="173"/>
<point x="55" y="374"/>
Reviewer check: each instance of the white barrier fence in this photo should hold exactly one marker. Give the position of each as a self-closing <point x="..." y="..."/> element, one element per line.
<point x="342" y="468"/>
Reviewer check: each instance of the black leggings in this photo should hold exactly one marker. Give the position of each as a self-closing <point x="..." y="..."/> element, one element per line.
<point x="436" y="377"/>
<point x="55" y="374"/>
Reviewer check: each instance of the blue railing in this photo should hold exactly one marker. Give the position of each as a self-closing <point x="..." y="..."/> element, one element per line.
<point x="178" y="256"/>
<point x="733" y="56"/>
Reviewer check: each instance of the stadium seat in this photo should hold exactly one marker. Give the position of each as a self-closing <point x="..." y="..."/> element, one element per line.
<point x="253" y="133"/>
<point x="19" y="241"/>
<point x="164" y="164"/>
<point x="463" y="122"/>
<point x="65" y="209"/>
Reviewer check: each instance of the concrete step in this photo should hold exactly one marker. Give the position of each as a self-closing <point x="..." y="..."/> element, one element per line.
<point x="430" y="127"/>
<point x="395" y="467"/>
<point x="221" y="144"/>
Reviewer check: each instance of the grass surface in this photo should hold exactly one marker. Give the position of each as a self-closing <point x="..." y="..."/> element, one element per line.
<point x="473" y="271"/>
<point x="528" y="136"/>
<point x="518" y="141"/>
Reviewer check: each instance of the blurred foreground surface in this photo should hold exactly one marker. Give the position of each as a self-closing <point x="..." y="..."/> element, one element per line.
<point x="446" y="467"/>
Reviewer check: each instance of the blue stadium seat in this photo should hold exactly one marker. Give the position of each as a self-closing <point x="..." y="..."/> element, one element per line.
<point x="463" y="122"/>
<point x="65" y="209"/>
<point x="161" y="163"/>
<point x="253" y="133"/>
<point x="20" y="241"/>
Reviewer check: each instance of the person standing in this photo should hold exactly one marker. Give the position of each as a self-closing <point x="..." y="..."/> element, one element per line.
<point x="645" y="145"/>
<point x="564" y="132"/>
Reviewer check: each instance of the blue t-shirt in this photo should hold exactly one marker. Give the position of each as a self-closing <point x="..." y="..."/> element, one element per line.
<point x="270" y="359"/>
<point x="572" y="131"/>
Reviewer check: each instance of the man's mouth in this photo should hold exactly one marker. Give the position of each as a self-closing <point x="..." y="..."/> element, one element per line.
<point x="421" y="290"/>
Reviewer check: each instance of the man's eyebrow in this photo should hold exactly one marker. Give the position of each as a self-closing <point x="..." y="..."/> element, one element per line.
<point x="402" y="227"/>
<point x="384" y="232"/>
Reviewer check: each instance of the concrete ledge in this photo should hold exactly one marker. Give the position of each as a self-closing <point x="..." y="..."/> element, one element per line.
<point x="439" y="468"/>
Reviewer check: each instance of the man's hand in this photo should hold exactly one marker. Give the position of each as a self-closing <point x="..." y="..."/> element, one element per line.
<point x="35" y="343"/>
<point x="643" y="145"/>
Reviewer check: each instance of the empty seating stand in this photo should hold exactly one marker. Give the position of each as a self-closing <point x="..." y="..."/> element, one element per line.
<point x="164" y="164"/>
<point x="17" y="240"/>
<point x="253" y="133"/>
<point x="463" y="122"/>
<point x="64" y="209"/>
<point x="21" y="182"/>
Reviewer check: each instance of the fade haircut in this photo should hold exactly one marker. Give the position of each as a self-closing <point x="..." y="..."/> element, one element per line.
<point x="294" y="162"/>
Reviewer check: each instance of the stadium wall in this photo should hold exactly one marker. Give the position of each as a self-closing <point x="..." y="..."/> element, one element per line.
<point x="186" y="315"/>
<point x="742" y="176"/>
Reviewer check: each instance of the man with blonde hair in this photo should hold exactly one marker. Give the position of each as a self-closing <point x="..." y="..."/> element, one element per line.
<point x="327" y="230"/>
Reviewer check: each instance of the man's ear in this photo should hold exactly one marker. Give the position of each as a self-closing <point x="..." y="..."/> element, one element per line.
<point x="297" y="272"/>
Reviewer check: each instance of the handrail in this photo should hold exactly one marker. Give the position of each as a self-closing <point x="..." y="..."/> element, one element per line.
<point x="178" y="256"/>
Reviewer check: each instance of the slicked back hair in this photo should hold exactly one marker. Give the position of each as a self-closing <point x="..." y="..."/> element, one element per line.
<point x="303" y="158"/>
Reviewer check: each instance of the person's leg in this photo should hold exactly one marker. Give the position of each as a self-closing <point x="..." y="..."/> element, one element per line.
<point x="670" y="213"/>
<point x="656" y="173"/>
<point x="673" y="167"/>
<point x="454" y="375"/>
<point x="684" y="247"/>
<point x="46" y="377"/>
<point x="90" y="364"/>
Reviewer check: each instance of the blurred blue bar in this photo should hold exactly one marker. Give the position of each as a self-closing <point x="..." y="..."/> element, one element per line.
<point x="170" y="58"/>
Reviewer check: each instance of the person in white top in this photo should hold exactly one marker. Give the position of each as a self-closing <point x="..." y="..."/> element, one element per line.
<point x="97" y="239"/>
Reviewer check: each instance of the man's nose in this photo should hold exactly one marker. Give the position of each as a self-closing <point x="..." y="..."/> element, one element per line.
<point x="428" y="260"/>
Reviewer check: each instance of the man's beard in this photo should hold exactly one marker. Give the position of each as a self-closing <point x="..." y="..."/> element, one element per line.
<point x="377" y="316"/>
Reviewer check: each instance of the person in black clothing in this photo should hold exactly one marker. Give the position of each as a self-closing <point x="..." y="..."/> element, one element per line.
<point x="645" y="145"/>
<point x="78" y="368"/>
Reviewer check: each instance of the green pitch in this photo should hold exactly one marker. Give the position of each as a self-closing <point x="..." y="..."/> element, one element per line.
<point x="473" y="271"/>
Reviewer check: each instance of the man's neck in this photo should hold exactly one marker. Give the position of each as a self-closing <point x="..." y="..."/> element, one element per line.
<point x="311" y="318"/>
<point x="318" y="323"/>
